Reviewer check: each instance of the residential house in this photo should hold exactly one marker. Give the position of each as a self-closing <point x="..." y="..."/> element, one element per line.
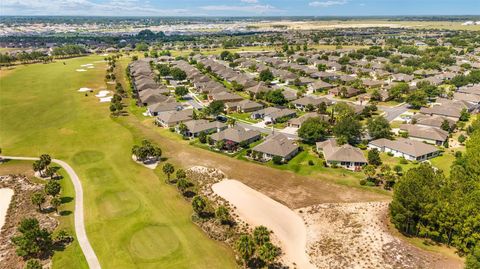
<point x="345" y="92"/>
<point x="225" y="97"/>
<point x="297" y="122"/>
<point x="195" y="127"/>
<point x="172" y="118"/>
<point x="405" y="148"/>
<point x="319" y="85"/>
<point x="471" y="89"/>
<point x="306" y="101"/>
<point x="236" y="135"/>
<point x="272" y="114"/>
<point x="243" y="106"/>
<point x="432" y="121"/>
<point x="259" y="88"/>
<point x="346" y="156"/>
<point x="471" y="98"/>
<point x="158" y="108"/>
<point x="448" y="108"/>
<point x="427" y="134"/>
<point x="277" y="145"/>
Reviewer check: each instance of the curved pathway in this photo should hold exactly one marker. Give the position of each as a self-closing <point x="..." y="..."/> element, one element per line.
<point x="82" y="238"/>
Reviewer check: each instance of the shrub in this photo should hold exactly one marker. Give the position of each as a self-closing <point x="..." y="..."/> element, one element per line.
<point x="403" y="161"/>
<point x="363" y="182"/>
<point x="249" y="152"/>
<point x="277" y="160"/>
<point x="310" y="162"/>
<point x="172" y="129"/>
<point x="202" y="137"/>
<point x="390" y="154"/>
<point x="33" y="264"/>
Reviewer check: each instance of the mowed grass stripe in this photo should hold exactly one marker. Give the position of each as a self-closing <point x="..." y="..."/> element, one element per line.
<point x="42" y="112"/>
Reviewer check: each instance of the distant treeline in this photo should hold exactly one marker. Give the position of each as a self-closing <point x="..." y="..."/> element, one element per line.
<point x="190" y="20"/>
<point x="41" y="56"/>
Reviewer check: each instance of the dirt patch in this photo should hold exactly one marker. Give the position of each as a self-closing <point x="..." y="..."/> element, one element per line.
<point x="20" y="208"/>
<point x="355" y="235"/>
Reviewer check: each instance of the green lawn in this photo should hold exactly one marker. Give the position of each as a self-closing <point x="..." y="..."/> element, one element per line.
<point x="444" y="162"/>
<point x="132" y="218"/>
<point x="243" y="117"/>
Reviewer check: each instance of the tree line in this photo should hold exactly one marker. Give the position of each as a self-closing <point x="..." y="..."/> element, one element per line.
<point x="445" y="209"/>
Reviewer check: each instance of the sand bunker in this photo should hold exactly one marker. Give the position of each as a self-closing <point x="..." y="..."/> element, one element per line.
<point x="106" y="99"/>
<point x="150" y="164"/>
<point x="81" y="70"/>
<point x="258" y="209"/>
<point x="5" y="198"/>
<point x="102" y="94"/>
<point x="84" y="90"/>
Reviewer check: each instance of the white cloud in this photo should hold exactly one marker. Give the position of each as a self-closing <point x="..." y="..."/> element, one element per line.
<point x="327" y="3"/>
<point x="249" y="1"/>
<point x="247" y="8"/>
<point x="84" y="7"/>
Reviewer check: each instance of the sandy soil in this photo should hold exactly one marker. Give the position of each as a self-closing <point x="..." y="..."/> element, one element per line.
<point x="258" y="209"/>
<point x="20" y="208"/>
<point x="5" y="198"/>
<point x="355" y="235"/>
<point x="84" y="89"/>
<point x="149" y="165"/>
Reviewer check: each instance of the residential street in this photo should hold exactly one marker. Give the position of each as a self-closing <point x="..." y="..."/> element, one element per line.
<point x="393" y="112"/>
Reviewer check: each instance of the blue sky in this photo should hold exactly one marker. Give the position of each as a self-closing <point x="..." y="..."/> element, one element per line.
<point x="239" y="7"/>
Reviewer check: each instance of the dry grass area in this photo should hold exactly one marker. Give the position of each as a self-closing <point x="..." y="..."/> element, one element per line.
<point x="356" y="235"/>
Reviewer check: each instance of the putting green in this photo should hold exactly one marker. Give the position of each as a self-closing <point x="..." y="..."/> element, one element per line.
<point x="153" y="242"/>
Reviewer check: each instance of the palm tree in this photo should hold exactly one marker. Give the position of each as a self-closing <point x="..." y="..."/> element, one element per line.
<point x="181" y="174"/>
<point x="52" y="188"/>
<point x="56" y="202"/>
<point x="222" y="215"/>
<point x="268" y="252"/>
<point x="246" y="248"/>
<point x="261" y="235"/>
<point x="38" y="198"/>
<point x="199" y="204"/>
<point x="168" y="169"/>
<point x="183" y="184"/>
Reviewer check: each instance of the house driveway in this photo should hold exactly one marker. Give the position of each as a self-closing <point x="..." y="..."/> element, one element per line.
<point x="289" y="130"/>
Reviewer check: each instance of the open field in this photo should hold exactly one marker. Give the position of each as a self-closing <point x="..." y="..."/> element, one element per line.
<point x="367" y="23"/>
<point x="129" y="208"/>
